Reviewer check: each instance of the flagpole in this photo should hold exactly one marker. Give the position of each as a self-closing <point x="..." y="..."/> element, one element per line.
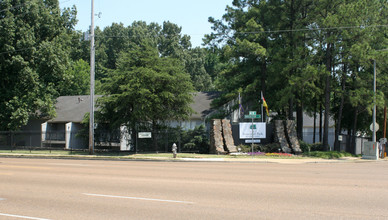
<point x="239" y="108"/>
<point x="262" y="108"/>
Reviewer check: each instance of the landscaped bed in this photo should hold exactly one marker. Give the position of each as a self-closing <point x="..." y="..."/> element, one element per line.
<point x="131" y="155"/>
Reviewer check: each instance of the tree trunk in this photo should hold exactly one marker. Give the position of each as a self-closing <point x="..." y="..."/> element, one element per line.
<point x="354" y="130"/>
<point x="337" y="146"/>
<point x="320" y="122"/>
<point x="327" y="100"/>
<point x="290" y="109"/>
<point x="348" y="140"/>
<point x="134" y="137"/>
<point x="327" y="115"/>
<point x="315" y="123"/>
<point x="154" y="137"/>
<point x="263" y="85"/>
<point x="299" y="120"/>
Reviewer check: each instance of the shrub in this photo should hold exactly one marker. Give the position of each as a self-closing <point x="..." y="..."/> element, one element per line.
<point x="256" y="154"/>
<point x="189" y="146"/>
<point x="328" y="154"/>
<point x="271" y="148"/>
<point x="248" y="148"/>
<point x="316" y="147"/>
<point x="305" y="147"/>
<point x="196" y="140"/>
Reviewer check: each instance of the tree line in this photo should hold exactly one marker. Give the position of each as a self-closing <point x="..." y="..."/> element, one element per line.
<point x="313" y="56"/>
<point x="42" y="57"/>
<point x="304" y="55"/>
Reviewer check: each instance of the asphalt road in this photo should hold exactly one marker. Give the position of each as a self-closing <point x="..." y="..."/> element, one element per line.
<point x="86" y="189"/>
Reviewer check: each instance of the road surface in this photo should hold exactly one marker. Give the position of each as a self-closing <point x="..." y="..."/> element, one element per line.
<point x="94" y="189"/>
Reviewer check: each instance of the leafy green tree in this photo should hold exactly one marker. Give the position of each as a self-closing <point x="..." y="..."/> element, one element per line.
<point x="242" y="52"/>
<point x="77" y="79"/>
<point x="146" y="89"/>
<point x="171" y="43"/>
<point x="346" y="55"/>
<point x="195" y="65"/>
<point x="116" y="39"/>
<point x="312" y="55"/>
<point x="264" y="58"/>
<point x="35" y="43"/>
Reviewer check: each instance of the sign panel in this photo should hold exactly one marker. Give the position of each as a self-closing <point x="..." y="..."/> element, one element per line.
<point x="252" y="112"/>
<point x="144" y="135"/>
<point x="259" y="130"/>
<point x="376" y="127"/>
<point x="249" y="141"/>
<point x="252" y="116"/>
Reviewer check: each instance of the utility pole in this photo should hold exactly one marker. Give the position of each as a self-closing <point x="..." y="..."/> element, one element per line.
<point x="374" y="102"/>
<point x="385" y="130"/>
<point x="92" y="66"/>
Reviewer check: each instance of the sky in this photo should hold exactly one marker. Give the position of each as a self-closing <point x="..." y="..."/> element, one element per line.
<point x="192" y="15"/>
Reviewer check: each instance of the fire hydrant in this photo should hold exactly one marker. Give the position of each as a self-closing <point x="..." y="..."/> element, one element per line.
<point x="174" y="149"/>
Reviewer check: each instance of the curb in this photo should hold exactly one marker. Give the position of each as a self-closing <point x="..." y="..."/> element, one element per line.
<point x="167" y="159"/>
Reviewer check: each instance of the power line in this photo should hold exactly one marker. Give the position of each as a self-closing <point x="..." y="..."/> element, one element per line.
<point x="256" y="32"/>
<point x="274" y="31"/>
<point x="313" y="29"/>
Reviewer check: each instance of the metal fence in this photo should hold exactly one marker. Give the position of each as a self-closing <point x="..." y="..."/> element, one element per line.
<point x="161" y="141"/>
<point x="19" y="139"/>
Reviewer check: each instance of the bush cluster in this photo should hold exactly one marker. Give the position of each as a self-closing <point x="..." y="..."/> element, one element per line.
<point x="328" y="154"/>
<point x="248" y="148"/>
<point x="196" y="140"/>
<point x="268" y="148"/>
<point x="305" y="147"/>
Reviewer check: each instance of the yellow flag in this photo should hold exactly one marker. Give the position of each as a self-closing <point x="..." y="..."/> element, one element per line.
<point x="265" y="105"/>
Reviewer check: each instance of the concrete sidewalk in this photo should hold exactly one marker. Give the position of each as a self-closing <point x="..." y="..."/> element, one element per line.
<point x="284" y="160"/>
<point x="298" y="160"/>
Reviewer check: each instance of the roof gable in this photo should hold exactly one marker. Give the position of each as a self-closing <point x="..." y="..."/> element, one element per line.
<point x="74" y="108"/>
<point x="202" y="104"/>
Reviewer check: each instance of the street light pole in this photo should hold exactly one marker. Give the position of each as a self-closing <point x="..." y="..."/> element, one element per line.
<point x="92" y="66"/>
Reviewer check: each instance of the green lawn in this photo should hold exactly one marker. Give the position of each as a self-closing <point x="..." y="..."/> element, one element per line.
<point x="126" y="155"/>
<point x="329" y="154"/>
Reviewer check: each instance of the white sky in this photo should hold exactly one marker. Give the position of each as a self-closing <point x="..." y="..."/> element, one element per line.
<point x="192" y="15"/>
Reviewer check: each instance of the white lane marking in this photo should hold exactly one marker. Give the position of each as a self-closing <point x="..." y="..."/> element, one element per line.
<point x="2" y="199"/>
<point x="137" y="198"/>
<point x="20" y="216"/>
